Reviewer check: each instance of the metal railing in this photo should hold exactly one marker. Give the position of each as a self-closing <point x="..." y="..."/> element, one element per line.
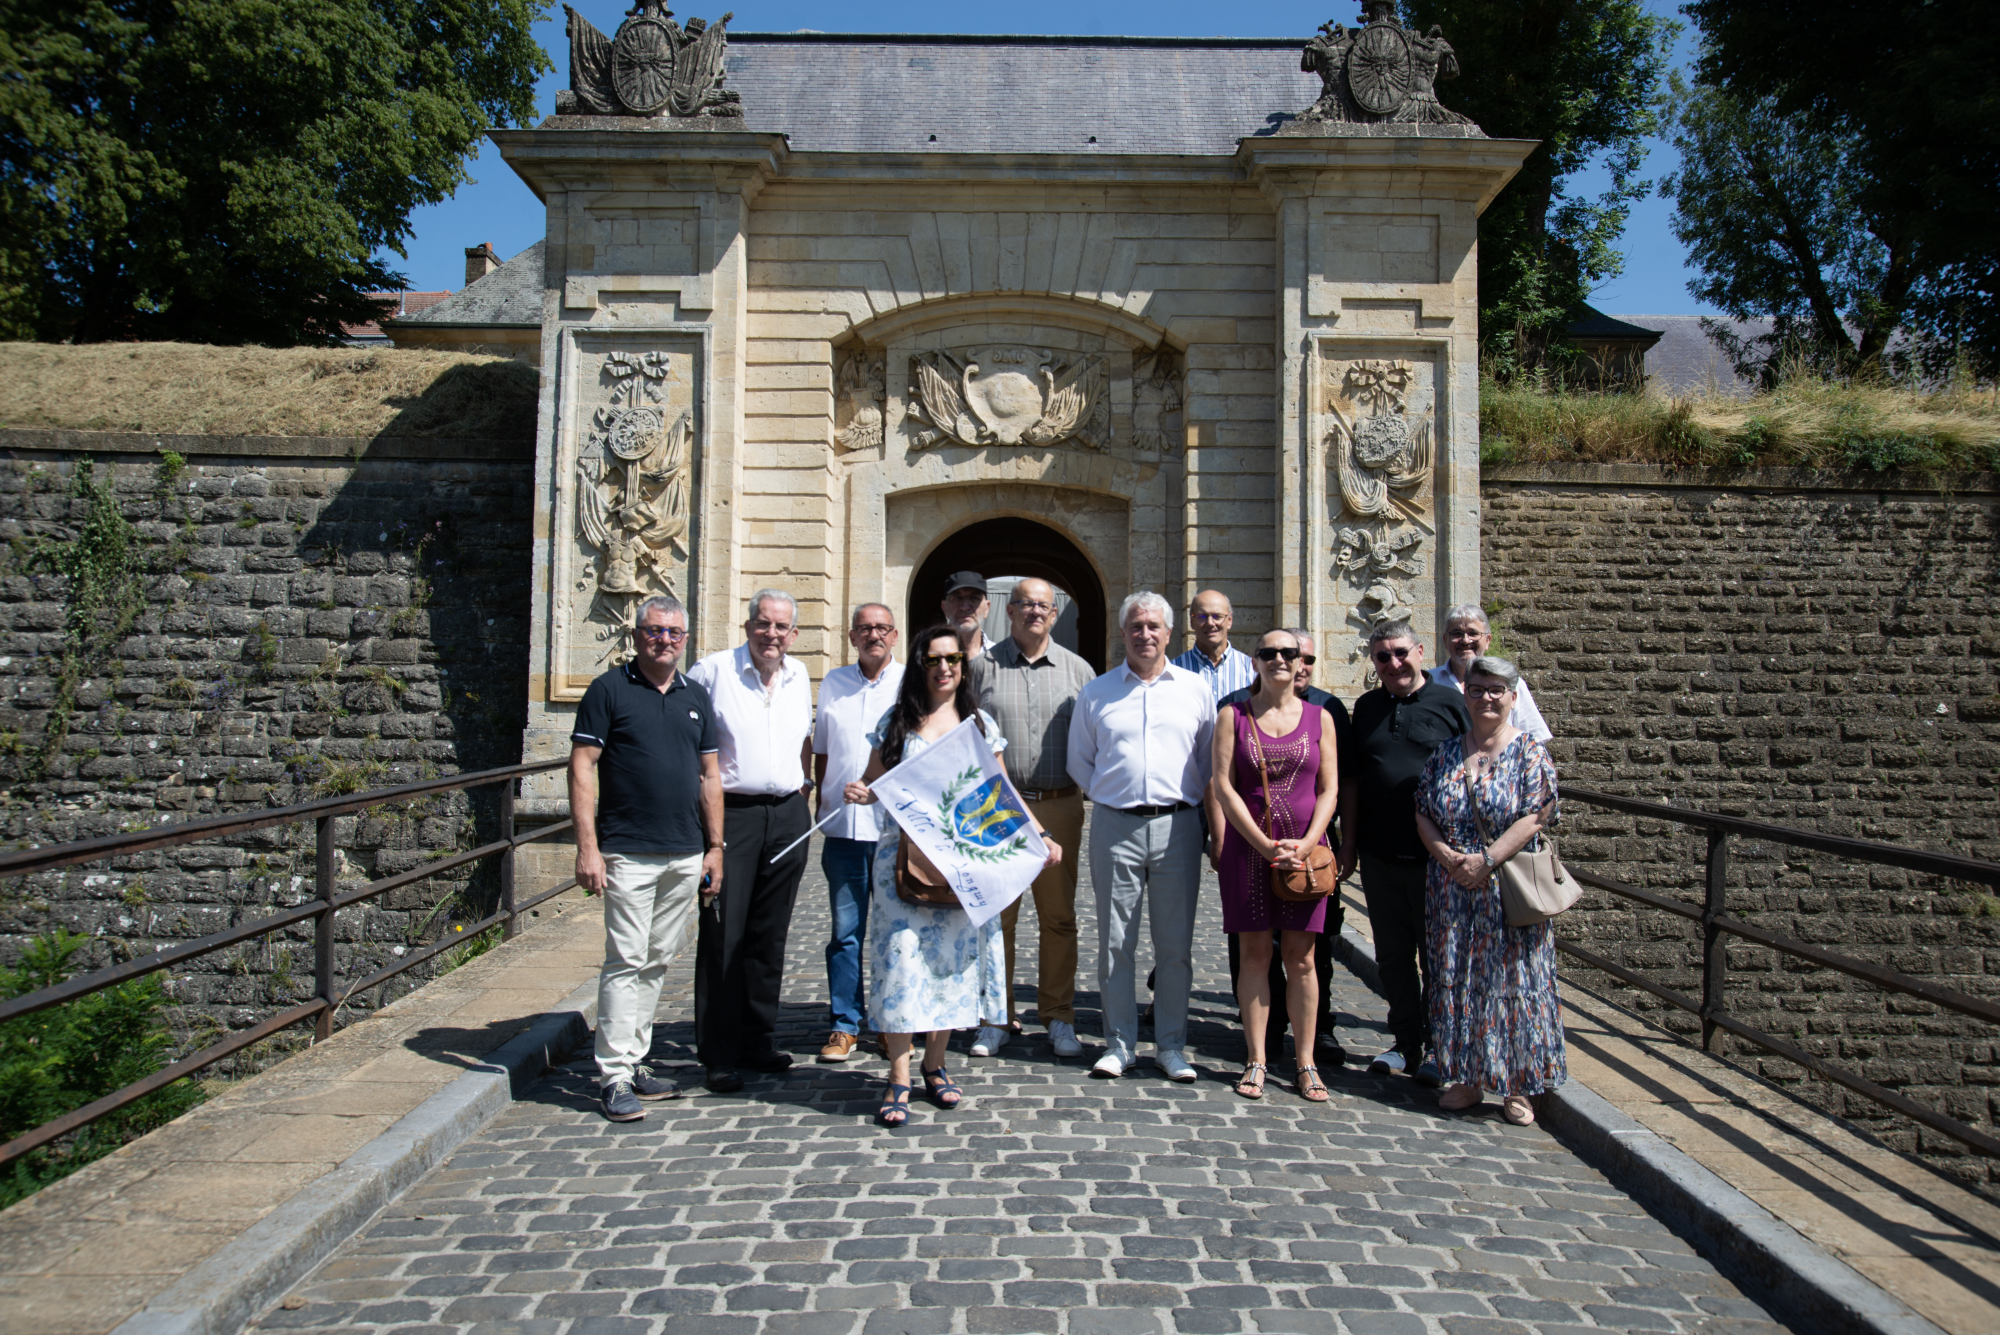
<point x="328" y="992"/>
<point x="1718" y="924"/>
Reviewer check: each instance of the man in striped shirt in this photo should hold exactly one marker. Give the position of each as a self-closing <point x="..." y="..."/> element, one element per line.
<point x="1223" y="668"/>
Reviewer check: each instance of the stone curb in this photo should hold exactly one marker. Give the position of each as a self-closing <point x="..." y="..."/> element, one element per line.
<point x="1800" y="1283"/>
<point x="233" y="1287"/>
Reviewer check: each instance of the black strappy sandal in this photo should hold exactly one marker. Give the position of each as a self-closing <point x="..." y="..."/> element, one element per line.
<point x="895" y="1109"/>
<point x="937" y="1084"/>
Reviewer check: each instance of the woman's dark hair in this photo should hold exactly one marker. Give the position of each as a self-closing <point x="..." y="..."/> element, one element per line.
<point x="913" y="700"/>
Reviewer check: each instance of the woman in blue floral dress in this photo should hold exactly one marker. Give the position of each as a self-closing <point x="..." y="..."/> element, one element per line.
<point x="930" y="971"/>
<point x="1496" y="1020"/>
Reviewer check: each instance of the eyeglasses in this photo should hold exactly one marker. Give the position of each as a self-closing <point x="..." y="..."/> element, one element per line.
<point x="673" y="633"/>
<point x="1308" y="659"/>
<point x="1271" y="653"/>
<point x="874" y="632"/>
<point x="1485" y="692"/>
<point x="1028" y="605"/>
<point x="771" y="627"/>
<point x="1211" y="616"/>
<point x="1464" y="634"/>
<point x="932" y="660"/>
<point x="1393" y="655"/>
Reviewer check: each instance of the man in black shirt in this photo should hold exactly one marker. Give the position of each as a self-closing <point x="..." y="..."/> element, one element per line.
<point x="645" y="790"/>
<point x="1395" y="729"/>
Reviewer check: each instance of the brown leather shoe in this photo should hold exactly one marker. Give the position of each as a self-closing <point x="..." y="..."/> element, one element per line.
<point x="839" y="1046"/>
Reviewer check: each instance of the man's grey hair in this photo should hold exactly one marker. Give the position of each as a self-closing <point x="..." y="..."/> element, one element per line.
<point x="759" y="598"/>
<point x="659" y="602"/>
<point x="1391" y="630"/>
<point x="1487" y="665"/>
<point x="1145" y="601"/>
<point x="1301" y="634"/>
<point x="1468" y="612"/>
<point x="854" y="619"/>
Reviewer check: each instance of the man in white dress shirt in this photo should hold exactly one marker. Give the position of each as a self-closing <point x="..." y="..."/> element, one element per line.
<point x="1466" y="635"/>
<point x="1139" y="747"/>
<point x="852" y="700"/>
<point x="764" y="722"/>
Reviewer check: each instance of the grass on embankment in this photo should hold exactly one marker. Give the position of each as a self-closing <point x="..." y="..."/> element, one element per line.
<point x="1801" y="424"/>
<point x="192" y="389"/>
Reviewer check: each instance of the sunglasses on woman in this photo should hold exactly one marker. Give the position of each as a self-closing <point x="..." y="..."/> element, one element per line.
<point x="932" y="660"/>
<point x="1271" y="653"/>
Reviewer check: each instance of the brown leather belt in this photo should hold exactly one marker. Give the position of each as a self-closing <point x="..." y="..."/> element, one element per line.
<point x="1047" y="794"/>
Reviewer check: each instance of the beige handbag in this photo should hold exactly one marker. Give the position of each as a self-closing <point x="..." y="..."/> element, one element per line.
<point x="1315" y="880"/>
<point x="1533" y="886"/>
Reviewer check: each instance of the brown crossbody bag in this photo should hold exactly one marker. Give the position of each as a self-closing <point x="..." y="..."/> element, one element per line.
<point x="918" y="881"/>
<point x="1315" y="880"/>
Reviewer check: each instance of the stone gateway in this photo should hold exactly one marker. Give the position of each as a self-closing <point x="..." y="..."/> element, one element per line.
<point x="1117" y="313"/>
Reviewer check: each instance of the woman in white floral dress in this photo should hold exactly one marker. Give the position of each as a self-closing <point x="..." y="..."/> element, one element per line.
<point x="930" y="970"/>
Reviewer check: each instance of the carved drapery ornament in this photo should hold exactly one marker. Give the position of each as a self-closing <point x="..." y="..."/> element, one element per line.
<point x="1381" y="455"/>
<point x="632" y="493"/>
<point x="1159" y="398"/>
<point x="651" y="67"/>
<point x="861" y="388"/>
<point x="1009" y="396"/>
<point x="1380" y="74"/>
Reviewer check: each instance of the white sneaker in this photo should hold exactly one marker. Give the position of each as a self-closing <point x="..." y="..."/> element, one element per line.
<point x="990" y="1040"/>
<point x="1110" y="1066"/>
<point x="1062" y="1037"/>
<point x="1389" y="1063"/>
<point x="1173" y="1065"/>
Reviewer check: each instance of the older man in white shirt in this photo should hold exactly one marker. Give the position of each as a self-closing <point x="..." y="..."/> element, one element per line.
<point x="1139" y="748"/>
<point x="764" y="722"/>
<point x="1467" y="634"/>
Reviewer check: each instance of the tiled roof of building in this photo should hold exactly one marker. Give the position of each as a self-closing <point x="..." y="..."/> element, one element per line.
<point x="1686" y="360"/>
<point x="398" y="304"/>
<point x="511" y="294"/>
<point x="856" y="93"/>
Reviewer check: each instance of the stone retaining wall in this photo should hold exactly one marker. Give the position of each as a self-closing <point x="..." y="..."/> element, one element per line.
<point x="1808" y="650"/>
<point x="246" y="624"/>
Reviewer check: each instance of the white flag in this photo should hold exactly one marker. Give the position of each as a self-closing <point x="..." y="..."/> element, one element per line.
<point x="953" y="801"/>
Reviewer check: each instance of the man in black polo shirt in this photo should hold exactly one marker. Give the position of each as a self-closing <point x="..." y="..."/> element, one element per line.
<point x="645" y="790"/>
<point x="1395" y="729"/>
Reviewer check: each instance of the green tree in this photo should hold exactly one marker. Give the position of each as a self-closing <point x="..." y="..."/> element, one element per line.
<point x="226" y="171"/>
<point x="1585" y="78"/>
<point x="1911" y="91"/>
<point x="1776" y="214"/>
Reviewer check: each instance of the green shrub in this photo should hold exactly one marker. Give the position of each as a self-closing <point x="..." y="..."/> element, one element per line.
<point x="62" y="1058"/>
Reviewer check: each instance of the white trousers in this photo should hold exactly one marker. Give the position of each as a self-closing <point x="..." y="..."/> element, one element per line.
<point x="646" y="905"/>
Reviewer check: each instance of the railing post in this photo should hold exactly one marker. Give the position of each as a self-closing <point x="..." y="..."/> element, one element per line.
<point x="1714" y="946"/>
<point x="508" y="925"/>
<point x="324" y="882"/>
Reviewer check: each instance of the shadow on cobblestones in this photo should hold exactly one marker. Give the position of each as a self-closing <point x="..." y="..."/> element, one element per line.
<point x="1049" y="1202"/>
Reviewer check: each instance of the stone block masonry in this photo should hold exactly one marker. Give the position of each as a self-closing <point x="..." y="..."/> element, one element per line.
<point x="246" y="624"/>
<point x="1807" y="650"/>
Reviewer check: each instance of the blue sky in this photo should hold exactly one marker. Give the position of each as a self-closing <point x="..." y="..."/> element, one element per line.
<point x="496" y="207"/>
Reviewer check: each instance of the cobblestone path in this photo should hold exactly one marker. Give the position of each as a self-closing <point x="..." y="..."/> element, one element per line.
<point x="1049" y="1202"/>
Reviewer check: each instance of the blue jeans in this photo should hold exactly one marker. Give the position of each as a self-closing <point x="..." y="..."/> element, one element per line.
<point x="848" y="864"/>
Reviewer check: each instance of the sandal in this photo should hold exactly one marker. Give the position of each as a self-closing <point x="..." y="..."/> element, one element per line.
<point x="1518" y="1110"/>
<point x="1251" y="1086"/>
<point x="1460" y="1097"/>
<point x="937" y="1085"/>
<point x="1311" y="1088"/>
<point x="895" y="1109"/>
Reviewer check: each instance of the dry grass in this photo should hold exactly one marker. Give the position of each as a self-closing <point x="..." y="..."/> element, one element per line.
<point x="193" y="389"/>
<point x="1803" y="423"/>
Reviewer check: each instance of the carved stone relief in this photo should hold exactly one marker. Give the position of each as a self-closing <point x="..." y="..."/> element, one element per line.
<point x="1009" y="396"/>
<point x="1379" y="453"/>
<point x="651" y="67"/>
<point x="1159" y="396"/>
<point x="861" y="387"/>
<point x="633" y="471"/>
<point x="1380" y="74"/>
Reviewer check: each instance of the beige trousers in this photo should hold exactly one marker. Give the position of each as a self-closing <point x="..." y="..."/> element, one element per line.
<point x="1055" y="911"/>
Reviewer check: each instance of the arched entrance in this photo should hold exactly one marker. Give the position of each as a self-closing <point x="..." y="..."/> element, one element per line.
<point x="1014" y="547"/>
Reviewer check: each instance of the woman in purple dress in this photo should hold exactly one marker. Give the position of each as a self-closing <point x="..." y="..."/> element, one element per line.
<point x="1295" y="742"/>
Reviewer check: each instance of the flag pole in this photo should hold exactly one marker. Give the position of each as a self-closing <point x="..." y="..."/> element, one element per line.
<point x="807" y="835"/>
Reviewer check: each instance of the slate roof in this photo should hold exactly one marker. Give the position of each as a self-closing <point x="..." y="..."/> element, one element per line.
<point x="1595" y="325"/>
<point x="1685" y="360"/>
<point x="862" y="93"/>
<point x="511" y="294"/>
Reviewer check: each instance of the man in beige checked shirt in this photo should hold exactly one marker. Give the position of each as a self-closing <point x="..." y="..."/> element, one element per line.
<point x="1029" y="684"/>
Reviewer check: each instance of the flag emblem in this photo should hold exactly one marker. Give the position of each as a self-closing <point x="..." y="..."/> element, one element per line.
<point x="984" y="817"/>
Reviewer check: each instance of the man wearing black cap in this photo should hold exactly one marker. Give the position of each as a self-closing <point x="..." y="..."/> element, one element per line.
<point x="965" y="607"/>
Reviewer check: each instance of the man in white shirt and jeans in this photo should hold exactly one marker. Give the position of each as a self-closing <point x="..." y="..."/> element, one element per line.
<point x="1139" y="747"/>
<point x="852" y="700"/>
<point x="764" y="723"/>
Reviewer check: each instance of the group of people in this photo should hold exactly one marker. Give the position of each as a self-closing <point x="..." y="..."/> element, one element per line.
<point x="696" y="787"/>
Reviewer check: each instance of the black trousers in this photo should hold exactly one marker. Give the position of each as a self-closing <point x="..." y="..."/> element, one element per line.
<point x="739" y="962"/>
<point x="1281" y="1018"/>
<point x="1395" y="894"/>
